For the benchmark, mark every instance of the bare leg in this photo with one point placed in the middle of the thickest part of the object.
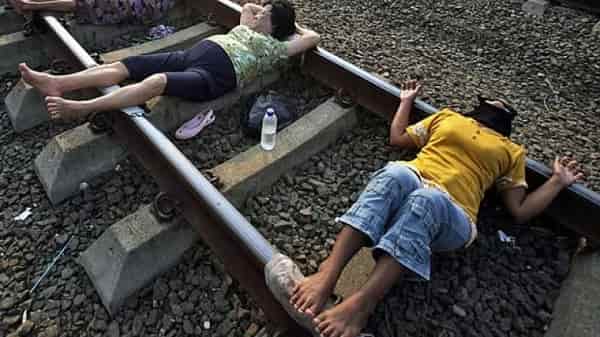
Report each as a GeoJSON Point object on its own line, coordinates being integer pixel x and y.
{"type": "Point", "coordinates": [56, 85]}
{"type": "Point", "coordinates": [44, 5]}
{"type": "Point", "coordinates": [348, 318]}
{"type": "Point", "coordinates": [128, 96]}
{"type": "Point", "coordinates": [310, 295]}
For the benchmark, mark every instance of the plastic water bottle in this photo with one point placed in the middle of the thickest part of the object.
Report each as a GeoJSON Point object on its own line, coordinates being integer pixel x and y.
{"type": "Point", "coordinates": [269, 130]}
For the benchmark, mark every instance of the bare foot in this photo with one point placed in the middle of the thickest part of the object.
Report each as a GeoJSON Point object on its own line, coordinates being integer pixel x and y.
{"type": "Point", "coordinates": [45, 83]}
{"type": "Point", "coordinates": [60, 108]}
{"type": "Point", "coordinates": [312, 293]}
{"type": "Point", "coordinates": [346, 319]}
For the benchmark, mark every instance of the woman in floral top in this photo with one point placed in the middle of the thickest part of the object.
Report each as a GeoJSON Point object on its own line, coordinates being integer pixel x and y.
{"type": "Point", "coordinates": [211, 68]}
{"type": "Point", "coordinates": [101, 11]}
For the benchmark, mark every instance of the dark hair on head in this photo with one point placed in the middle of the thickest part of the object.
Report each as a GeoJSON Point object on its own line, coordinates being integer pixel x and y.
{"type": "Point", "coordinates": [493, 117]}
{"type": "Point", "coordinates": [283, 18]}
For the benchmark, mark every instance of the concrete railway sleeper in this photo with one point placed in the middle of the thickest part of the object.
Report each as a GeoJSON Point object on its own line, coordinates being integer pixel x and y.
{"type": "Point", "coordinates": [243, 249]}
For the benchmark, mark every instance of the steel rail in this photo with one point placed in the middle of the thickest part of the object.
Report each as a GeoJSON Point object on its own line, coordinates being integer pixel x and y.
{"type": "Point", "coordinates": [577, 208]}
{"type": "Point", "coordinates": [223, 228]}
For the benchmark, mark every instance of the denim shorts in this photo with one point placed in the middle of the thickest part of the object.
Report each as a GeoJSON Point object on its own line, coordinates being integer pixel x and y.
{"type": "Point", "coordinates": [407, 220]}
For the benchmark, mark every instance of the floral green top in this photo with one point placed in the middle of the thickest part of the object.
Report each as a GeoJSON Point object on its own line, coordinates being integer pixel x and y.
{"type": "Point", "coordinates": [251, 53]}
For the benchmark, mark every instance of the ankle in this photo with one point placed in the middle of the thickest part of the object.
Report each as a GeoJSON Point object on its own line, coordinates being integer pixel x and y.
{"type": "Point", "coordinates": [365, 300]}
{"type": "Point", "coordinates": [327, 269]}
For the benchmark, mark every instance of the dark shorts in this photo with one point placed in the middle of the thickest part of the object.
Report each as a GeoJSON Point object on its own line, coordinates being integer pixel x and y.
{"type": "Point", "coordinates": [201, 73]}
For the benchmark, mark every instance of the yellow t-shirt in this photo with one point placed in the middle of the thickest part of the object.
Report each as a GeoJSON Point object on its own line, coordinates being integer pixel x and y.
{"type": "Point", "coordinates": [464, 158]}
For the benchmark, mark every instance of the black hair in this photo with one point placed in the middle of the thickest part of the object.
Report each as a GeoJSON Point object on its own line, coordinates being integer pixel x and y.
{"type": "Point", "coordinates": [283, 18]}
{"type": "Point", "coordinates": [493, 117]}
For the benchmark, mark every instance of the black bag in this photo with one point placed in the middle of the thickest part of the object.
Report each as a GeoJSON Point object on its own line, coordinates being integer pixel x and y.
{"type": "Point", "coordinates": [255, 108]}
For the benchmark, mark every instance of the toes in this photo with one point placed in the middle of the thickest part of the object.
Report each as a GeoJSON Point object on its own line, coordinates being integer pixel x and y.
{"type": "Point", "coordinates": [336, 333]}
{"type": "Point", "coordinates": [328, 331]}
{"type": "Point", "coordinates": [307, 304]}
{"type": "Point", "coordinates": [310, 312]}
{"type": "Point", "coordinates": [295, 297]}
{"type": "Point", "coordinates": [322, 325]}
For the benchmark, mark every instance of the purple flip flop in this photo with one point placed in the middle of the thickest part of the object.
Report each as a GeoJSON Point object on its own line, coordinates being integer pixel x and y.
{"type": "Point", "coordinates": [193, 127]}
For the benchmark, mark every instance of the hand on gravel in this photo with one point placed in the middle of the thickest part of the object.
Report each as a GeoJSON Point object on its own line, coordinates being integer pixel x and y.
{"type": "Point", "coordinates": [410, 90]}
{"type": "Point", "coordinates": [566, 171]}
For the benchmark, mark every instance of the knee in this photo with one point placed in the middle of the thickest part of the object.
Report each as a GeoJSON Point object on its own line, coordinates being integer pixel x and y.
{"type": "Point", "coordinates": [399, 173]}
{"type": "Point", "coordinates": [426, 196]}
{"type": "Point", "coordinates": [156, 84]}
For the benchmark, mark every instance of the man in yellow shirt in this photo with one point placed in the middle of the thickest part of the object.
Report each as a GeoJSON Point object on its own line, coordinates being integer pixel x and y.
{"type": "Point", "coordinates": [410, 209]}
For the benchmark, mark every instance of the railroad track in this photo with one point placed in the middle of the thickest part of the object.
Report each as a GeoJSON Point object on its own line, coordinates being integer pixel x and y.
{"type": "Point", "coordinates": [243, 250]}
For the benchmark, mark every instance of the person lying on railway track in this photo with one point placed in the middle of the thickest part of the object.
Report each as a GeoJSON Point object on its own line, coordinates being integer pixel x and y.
{"type": "Point", "coordinates": [210, 69]}
{"type": "Point", "coordinates": [101, 12]}
{"type": "Point", "coordinates": [409, 209]}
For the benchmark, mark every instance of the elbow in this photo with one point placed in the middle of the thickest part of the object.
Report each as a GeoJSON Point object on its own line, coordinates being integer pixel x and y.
{"type": "Point", "coordinates": [396, 141]}
{"type": "Point", "coordinates": [314, 39]}
{"type": "Point", "coordinates": [317, 38]}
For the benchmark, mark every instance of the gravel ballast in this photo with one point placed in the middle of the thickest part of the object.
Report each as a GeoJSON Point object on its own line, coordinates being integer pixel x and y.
{"type": "Point", "coordinates": [194, 298]}
{"type": "Point", "coordinates": [548, 67]}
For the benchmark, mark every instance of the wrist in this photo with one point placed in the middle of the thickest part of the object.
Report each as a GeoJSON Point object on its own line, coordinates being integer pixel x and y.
{"type": "Point", "coordinates": [557, 181]}
{"type": "Point", "coordinates": [407, 102]}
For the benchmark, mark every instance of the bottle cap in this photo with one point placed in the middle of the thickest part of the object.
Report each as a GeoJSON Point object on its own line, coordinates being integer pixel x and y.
{"type": "Point", "coordinates": [270, 111]}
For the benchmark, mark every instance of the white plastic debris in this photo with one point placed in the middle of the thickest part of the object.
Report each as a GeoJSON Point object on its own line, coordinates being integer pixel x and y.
{"type": "Point", "coordinates": [24, 215]}
{"type": "Point", "coordinates": [506, 238]}
{"type": "Point", "coordinates": [281, 275]}
{"type": "Point", "coordinates": [206, 325]}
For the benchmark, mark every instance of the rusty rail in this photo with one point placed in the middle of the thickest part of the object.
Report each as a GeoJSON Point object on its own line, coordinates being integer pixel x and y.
{"type": "Point", "coordinates": [577, 208]}
{"type": "Point", "coordinates": [222, 227]}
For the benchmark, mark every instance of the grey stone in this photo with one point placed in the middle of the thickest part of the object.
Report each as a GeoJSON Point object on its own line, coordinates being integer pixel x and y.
{"type": "Point", "coordinates": [24, 329]}
{"type": "Point", "coordinates": [536, 7]}
{"type": "Point", "coordinates": [113, 329]}
{"type": "Point", "coordinates": [596, 29]}
{"type": "Point", "coordinates": [7, 303]}
{"type": "Point", "coordinates": [11, 320]}
{"type": "Point", "coordinates": [50, 331]}
{"type": "Point", "coordinates": [459, 311]}
{"type": "Point", "coordinates": [79, 299]}
{"type": "Point", "coordinates": [188, 327]}
{"type": "Point", "coordinates": [138, 248]}
{"type": "Point", "coordinates": [66, 273]}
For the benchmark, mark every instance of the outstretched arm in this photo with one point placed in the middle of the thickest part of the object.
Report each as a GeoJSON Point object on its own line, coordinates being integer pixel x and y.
{"type": "Point", "coordinates": [398, 135]}
{"type": "Point", "coordinates": [525, 206]}
{"type": "Point", "coordinates": [306, 40]}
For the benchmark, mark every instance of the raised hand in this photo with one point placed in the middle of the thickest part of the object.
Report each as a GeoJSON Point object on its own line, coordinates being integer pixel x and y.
{"type": "Point", "coordinates": [410, 90]}
{"type": "Point", "coordinates": [566, 171]}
